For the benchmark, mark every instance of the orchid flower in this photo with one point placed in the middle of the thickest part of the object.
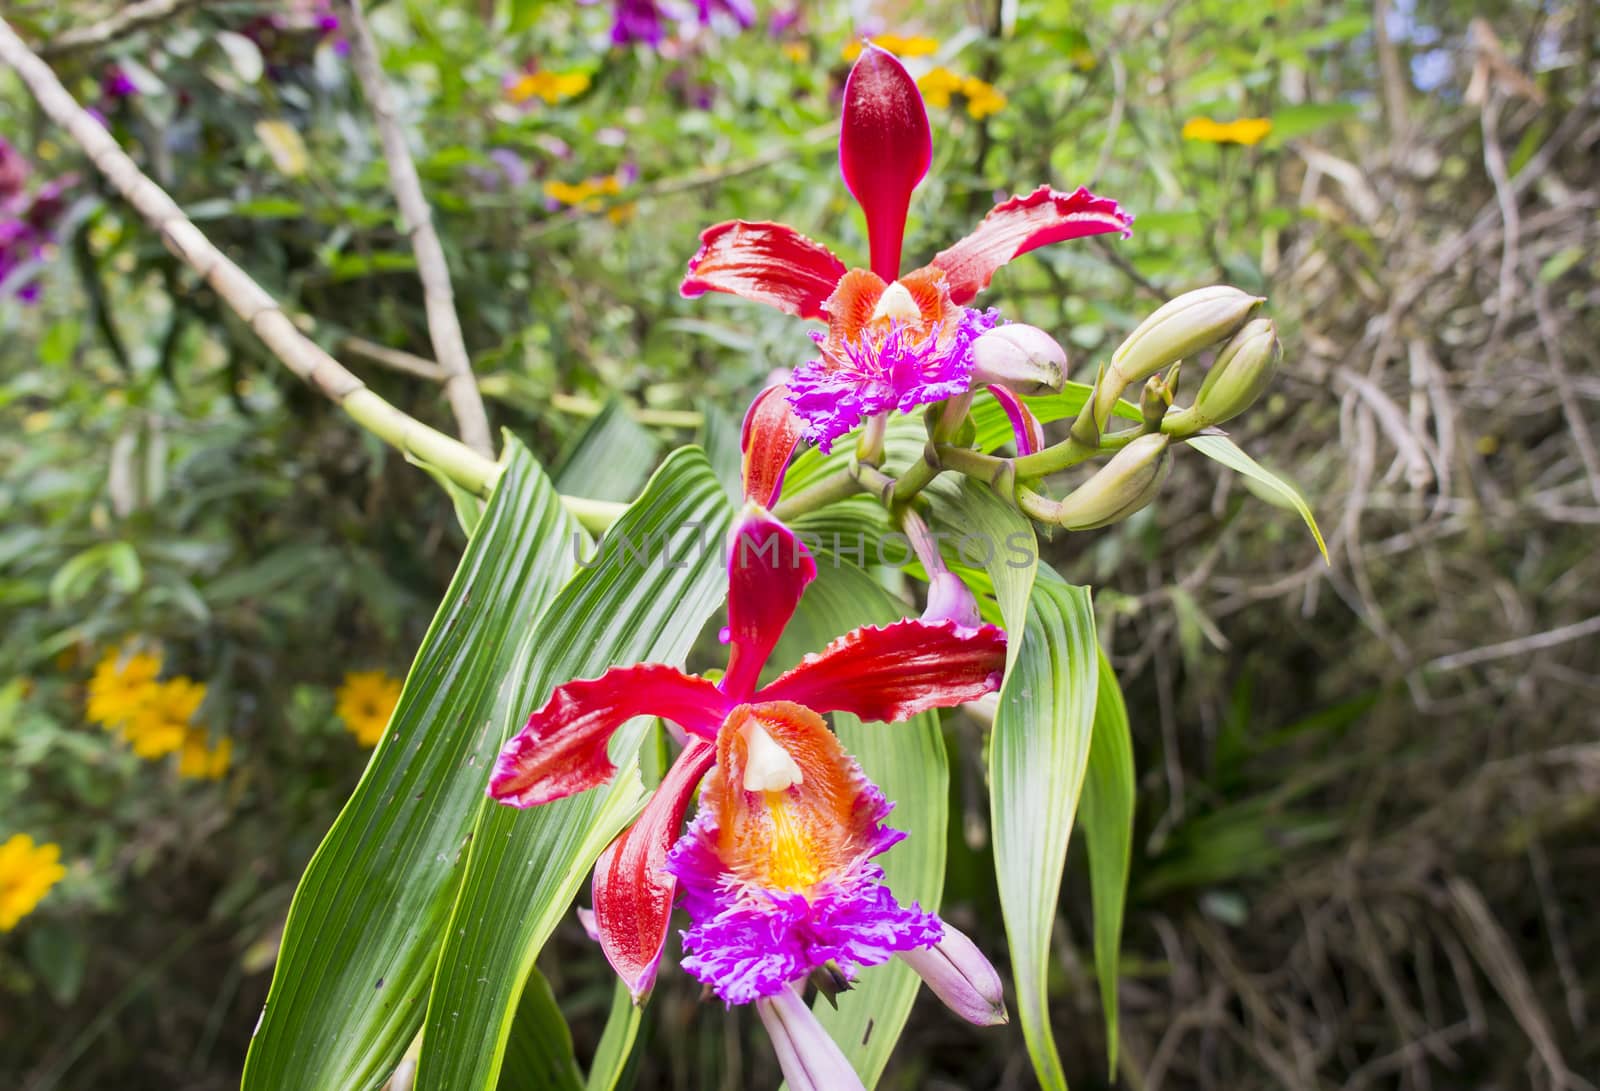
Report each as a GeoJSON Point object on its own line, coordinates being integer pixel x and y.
{"type": "Point", "coordinates": [894, 340]}
{"type": "Point", "coordinates": [776, 869]}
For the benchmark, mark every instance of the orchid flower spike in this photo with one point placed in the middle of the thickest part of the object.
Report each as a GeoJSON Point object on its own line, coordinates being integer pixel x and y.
{"type": "Point", "coordinates": [893, 340]}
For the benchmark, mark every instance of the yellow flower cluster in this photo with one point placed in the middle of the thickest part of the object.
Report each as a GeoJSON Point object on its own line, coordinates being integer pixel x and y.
{"type": "Point", "coordinates": [919, 45]}
{"type": "Point", "coordinates": [550, 86]}
{"type": "Point", "coordinates": [27, 872]}
{"type": "Point", "coordinates": [152, 716]}
{"type": "Point", "coordinates": [365, 702]}
{"type": "Point", "coordinates": [1246, 130]}
{"type": "Point", "coordinates": [940, 85]}
{"type": "Point", "coordinates": [587, 194]}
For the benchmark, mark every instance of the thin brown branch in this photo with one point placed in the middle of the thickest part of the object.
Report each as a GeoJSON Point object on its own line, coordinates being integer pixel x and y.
{"type": "Point", "coordinates": [234, 286]}
{"type": "Point", "coordinates": [124, 21]}
{"type": "Point", "coordinates": [444, 325]}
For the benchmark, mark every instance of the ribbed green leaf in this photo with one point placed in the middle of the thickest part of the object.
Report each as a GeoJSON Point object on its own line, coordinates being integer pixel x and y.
{"type": "Point", "coordinates": [1276, 489]}
{"type": "Point", "coordinates": [610, 459]}
{"type": "Point", "coordinates": [611, 1056]}
{"type": "Point", "coordinates": [1107, 815]}
{"type": "Point", "coordinates": [909, 763]}
{"type": "Point", "coordinates": [539, 1054]}
{"type": "Point", "coordinates": [720, 437]}
{"type": "Point", "coordinates": [363, 932]}
{"type": "Point", "coordinates": [966, 510]}
{"type": "Point", "coordinates": [525, 866]}
{"type": "Point", "coordinates": [1038, 756]}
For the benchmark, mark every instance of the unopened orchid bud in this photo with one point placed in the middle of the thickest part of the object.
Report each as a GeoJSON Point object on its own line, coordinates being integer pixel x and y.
{"type": "Point", "coordinates": [1023, 359]}
{"type": "Point", "coordinates": [949, 599]}
{"type": "Point", "coordinates": [811, 1061]}
{"type": "Point", "coordinates": [1244, 369]}
{"type": "Point", "coordinates": [960, 975]}
{"type": "Point", "coordinates": [1181, 328]}
{"type": "Point", "coordinates": [1119, 488]}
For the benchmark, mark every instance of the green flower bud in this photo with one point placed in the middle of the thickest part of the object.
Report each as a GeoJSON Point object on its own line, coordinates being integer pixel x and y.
{"type": "Point", "coordinates": [1243, 370]}
{"type": "Point", "coordinates": [1119, 488]}
{"type": "Point", "coordinates": [1181, 328]}
{"type": "Point", "coordinates": [1023, 359]}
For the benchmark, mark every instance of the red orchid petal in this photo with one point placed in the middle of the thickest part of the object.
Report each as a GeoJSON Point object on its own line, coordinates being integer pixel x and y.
{"type": "Point", "coordinates": [632, 890]}
{"type": "Point", "coordinates": [885, 147]}
{"type": "Point", "coordinates": [768, 570]}
{"type": "Point", "coordinates": [1021, 224]}
{"type": "Point", "coordinates": [562, 751]}
{"type": "Point", "coordinates": [897, 671]}
{"type": "Point", "coordinates": [771, 433]}
{"type": "Point", "coordinates": [765, 262]}
{"type": "Point", "coordinates": [1024, 425]}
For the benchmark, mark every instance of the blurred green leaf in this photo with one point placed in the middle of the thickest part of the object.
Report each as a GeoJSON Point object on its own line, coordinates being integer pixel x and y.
{"type": "Point", "coordinates": [611, 457]}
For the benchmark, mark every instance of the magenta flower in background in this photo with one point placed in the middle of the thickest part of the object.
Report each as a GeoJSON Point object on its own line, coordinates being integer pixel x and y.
{"type": "Point", "coordinates": [116, 85]}
{"type": "Point", "coordinates": [892, 341]}
{"type": "Point", "coordinates": [646, 21]}
{"type": "Point", "coordinates": [28, 223]}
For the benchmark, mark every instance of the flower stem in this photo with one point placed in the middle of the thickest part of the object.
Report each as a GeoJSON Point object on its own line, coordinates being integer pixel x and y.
{"type": "Point", "coordinates": [819, 494]}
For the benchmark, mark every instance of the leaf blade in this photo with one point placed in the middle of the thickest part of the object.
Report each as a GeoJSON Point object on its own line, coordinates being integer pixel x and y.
{"type": "Point", "coordinates": [1038, 758]}
{"type": "Point", "coordinates": [361, 937]}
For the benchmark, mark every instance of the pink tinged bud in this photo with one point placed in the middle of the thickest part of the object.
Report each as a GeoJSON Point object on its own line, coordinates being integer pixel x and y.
{"type": "Point", "coordinates": [1121, 487]}
{"type": "Point", "coordinates": [960, 975]}
{"type": "Point", "coordinates": [811, 1061]}
{"type": "Point", "coordinates": [1180, 328]}
{"type": "Point", "coordinates": [1023, 359]}
{"type": "Point", "coordinates": [949, 600]}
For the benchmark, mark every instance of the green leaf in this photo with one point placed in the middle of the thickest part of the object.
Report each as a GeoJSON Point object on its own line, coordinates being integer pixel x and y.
{"type": "Point", "coordinates": [1107, 814]}
{"type": "Point", "coordinates": [1012, 559]}
{"type": "Point", "coordinates": [1277, 490]}
{"type": "Point", "coordinates": [1038, 756]}
{"type": "Point", "coordinates": [720, 437]}
{"type": "Point", "coordinates": [906, 760]}
{"type": "Point", "coordinates": [610, 459]}
{"type": "Point", "coordinates": [525, 866]}
{"type": "Point", "coordinates": [539, 1053]}
{"type": "Point", "coordinates": [363, 932]}
{"type": "Point", "coordinates": [611, 1057]}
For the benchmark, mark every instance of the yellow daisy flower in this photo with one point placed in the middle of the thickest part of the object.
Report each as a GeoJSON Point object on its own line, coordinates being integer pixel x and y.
{"type": "Point", "coordinates": [918, 45]}
{"type": "Point", "coordinates": [365, 702]}
{"type": "Point", "coordinates": [160, 725]}
{"type": "Point", "coordinates": [982, 98]}
{"type": "Point", "coordinates": [1245, 130]}
{"type": "Point", "coordinates": [27, 872]}
{"type": "Point", "coordinates": [552, 87]}
{"type": "Point", "coordinates": [938, 85]}
{"type": "Point", "coordinates": [199, 760]}
{"type": "Point", "coordinates": [121, 684]}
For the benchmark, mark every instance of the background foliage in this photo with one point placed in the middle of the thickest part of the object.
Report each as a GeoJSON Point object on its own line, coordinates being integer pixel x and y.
{"type": "Point", "coordinates": [1366, 807]}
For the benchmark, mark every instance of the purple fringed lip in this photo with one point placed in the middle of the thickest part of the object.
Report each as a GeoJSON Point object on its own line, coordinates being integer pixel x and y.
{"type": "Point", "coordinates": [879, 372]}
{"type": "Point", "coordinates": [778, 882]}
